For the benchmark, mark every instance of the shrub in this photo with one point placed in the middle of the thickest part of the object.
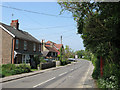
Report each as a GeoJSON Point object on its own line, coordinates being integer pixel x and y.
{"type": "Point", "coordinates": [110, 82]}
{"type": "Point", "coordinates": [24, 68]}
{"type": "Point", "coordinates": [96, 71]}
{"type": "Point", "coordinates": [63, 62]}
{"type": "Point", "coordinates": [111, 76]}
{"type": "Point", "coordinates": [11, 69]}
{"type": "Point", "coordinates": [8, 66]}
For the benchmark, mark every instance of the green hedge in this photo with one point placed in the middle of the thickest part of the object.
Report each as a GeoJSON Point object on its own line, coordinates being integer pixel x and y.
{"type": "Point", "coordinates": [11, 69]}
{"type": "Point", "coordinates": [111, 77]}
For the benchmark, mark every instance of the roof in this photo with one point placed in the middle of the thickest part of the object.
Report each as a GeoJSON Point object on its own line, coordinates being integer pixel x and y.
{"type": "Point", "coordinates": [51, 49]}
{"type": "Point", "coordinates": [58, 45]}
{"type": "Point", "coordinates": [50, 42]}
{"type": "Point", "coordinates": [19, 33]}
{"type": "Point", "coordinates": [30, 53]}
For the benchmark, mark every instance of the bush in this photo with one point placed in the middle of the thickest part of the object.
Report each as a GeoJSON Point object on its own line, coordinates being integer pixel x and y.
{"type": "Point", "coordinates": [11, 69]}
{"type": "Point", "coordinates": [111, 77]}
{"type": "Point", "coordinates": [96, 71]}
{"type": "Point", "coordinates": [110, 82]}
{"type": "Point", "coordinates": [8, 66]}
{"type": "Point", "coordinates": [64, 62]}
{"type": "Point", "coordinates": [24, 68]}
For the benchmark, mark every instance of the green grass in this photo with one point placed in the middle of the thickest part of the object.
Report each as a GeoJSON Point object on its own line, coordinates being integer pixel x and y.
{"type": "Point", "coordinates": [34, 70]}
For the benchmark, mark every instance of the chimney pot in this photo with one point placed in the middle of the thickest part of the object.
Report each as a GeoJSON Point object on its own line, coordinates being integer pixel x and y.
{"type": "Point", "coordinates": [15, 24]}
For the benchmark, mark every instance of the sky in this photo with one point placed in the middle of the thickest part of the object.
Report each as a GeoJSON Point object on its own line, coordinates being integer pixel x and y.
{"type": "Point", "coordinates": [46, 23]}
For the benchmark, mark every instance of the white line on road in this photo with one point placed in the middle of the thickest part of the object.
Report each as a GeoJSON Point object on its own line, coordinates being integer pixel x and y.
{"type": "Point", "coordinates": [62, 73]}
{"type": "Point", "coordinates": [44, 82]}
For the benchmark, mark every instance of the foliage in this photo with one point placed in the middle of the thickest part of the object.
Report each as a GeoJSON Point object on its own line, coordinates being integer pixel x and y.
{"type": "Point", "coordinates": [37, 60]}
{"type": "Point", "coordinates": [99, 24]}
{"type": "Point", "coordinates": [111, 76]}
{"type": "Point", "coordinates": [96, 71]}
{"type": "Point", "coordinates": [65, 62]}
{"type": "Point", "coordinates": [80, 53]}
{"type": "Point", "coordinates": [42, 60]}
{"type": "Point", "coordinates": [11, 69]}
{"type": "Point", "coordinates": [61, 54]}
{"type": "Point", "coordinates": [110, 82]}
{"type": "Point", "coordinates": [69, 53]}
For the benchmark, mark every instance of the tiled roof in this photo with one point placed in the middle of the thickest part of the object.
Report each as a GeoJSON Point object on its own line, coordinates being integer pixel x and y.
{"type": "Point", "coordinates": [20, 34]}
{"type": "Point", "coordinates": [58, 45]}
{"type": "Point", "coordinates": [51, 49]}
{"type": "Point", "coordinates": [55, 47]}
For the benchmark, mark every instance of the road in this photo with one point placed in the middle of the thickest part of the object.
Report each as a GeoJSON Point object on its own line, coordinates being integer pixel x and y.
{"type": "Point", "coordinates": [76, 75]}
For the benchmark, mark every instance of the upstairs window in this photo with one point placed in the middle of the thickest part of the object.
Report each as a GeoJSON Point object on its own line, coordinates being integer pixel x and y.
{"type": "Point", "coordinates": [17, 44]}
{"type": "Point", "coordinates": [25, 45]}
{"type": "Point", "coordinates": [34, 47]}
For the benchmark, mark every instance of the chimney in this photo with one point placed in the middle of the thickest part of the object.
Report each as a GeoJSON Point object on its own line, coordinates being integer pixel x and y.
{"type": "Point", "coordinates": [42, 46]}
{"type": "Point", "coordinates": [15, 24]}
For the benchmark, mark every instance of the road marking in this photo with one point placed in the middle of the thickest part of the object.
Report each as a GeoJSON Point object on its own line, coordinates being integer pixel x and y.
{"type": "Point", "coordinates": [62, 73]}
{"type": "Point", "coordinates": [71, 69]}
{"type": "Point", "coordinates": [44, 82]}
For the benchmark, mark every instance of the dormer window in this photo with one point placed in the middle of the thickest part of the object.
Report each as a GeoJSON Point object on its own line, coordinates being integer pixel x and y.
{"type": "Point", "coordinates": [25, 45]}
{"type": "Point", "coordinates": [17, 44]}
{"type": "Point", "coordinates": [34, 47]}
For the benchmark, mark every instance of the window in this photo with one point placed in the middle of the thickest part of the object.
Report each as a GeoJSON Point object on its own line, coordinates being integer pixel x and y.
{"type": "Point", "coordinates": [39, 47]}
{"type": "Point", "coordinates": [16, 44]}
{"type": "Point", "coordinates": [25, 58]}
{"type": "Point", "coordinates": [34, 47]}
{"type": "Point", "coordinates": [25, 45]}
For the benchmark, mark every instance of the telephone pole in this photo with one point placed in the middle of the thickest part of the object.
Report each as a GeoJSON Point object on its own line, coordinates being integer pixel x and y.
{"type": "Point", "coordinates": [61, 39]}
{"type": "Point", "coordinates": [61, 49]}
{"type": "Point", "coordinates": [12, 16]}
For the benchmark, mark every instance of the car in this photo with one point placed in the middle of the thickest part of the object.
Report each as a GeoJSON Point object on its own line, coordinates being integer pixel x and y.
{"type": "Point", "coordinates": [71, 59]}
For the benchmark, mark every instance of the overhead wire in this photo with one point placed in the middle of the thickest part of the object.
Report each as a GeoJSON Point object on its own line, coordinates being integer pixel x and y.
{"type": "Point", "coordinates": [35, 12]}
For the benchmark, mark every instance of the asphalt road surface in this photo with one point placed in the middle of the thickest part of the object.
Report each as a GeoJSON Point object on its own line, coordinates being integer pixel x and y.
{"type": "Point", "coordinates": [76, 75]}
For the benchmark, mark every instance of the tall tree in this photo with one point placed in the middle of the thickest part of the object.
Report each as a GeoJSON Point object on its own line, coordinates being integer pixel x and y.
{"type": "Point", "coordinates": [99, 25]}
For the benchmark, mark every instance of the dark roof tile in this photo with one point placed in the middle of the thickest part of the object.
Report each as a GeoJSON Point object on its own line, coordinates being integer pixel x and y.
{"type": "Point", "coordinates": [20, 34]}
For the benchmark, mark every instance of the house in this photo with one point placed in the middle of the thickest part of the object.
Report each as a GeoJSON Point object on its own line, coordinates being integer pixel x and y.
{"type": "Point", "coordinates": [18, 46]}
{"type": "Point", "coordinates": [56, 46]}
{"type": "Point", "coordinates": [51, 49]}
{"type": "Point", "coordinates": [48, 51]}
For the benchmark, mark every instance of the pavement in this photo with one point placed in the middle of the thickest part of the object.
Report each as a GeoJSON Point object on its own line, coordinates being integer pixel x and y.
{"type": "Point", "coordinates": [75, 75]}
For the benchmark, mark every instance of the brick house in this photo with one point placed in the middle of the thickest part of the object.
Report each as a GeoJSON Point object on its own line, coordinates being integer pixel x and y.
{"type": "Point", "coordinates": [48, 51]}
{"type": "Point", "coordinates": [56, 46]}
{"type": "Point", "coordinates": [51, 49]}
{"type": "Point", "coordinates": [18, 46]}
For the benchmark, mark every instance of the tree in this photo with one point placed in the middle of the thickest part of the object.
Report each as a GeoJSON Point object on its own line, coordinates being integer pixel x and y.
{"type": "Point", "coordinates": [69, 53]}
{"type": "Point", "coordinates": [99, 25]}
{"type": "Point", "coordinates": [80, 53]}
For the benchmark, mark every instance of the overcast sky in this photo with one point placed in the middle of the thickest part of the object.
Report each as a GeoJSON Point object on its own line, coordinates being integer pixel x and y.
{"type": "Point", "coordinates": [45, 23]}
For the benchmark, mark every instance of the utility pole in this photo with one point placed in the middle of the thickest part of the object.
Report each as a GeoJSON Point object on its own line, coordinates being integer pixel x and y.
{"type": "Point", "coordinates": [12, 16]}
{"type": "Point", "coordinates": [61, 48]}
{"type": "Point", "coordinates": [61, 39]}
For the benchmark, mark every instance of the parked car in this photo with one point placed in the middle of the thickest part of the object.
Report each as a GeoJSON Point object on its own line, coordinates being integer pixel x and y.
{"type": "Point", "coordinates": [71, 59]}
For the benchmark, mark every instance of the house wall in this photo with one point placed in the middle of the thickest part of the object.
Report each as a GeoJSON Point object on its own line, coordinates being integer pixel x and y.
{"type": "Point", "coordinates": [29, 46]}
{"type": "Point", "coordinates": [6, 47]}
